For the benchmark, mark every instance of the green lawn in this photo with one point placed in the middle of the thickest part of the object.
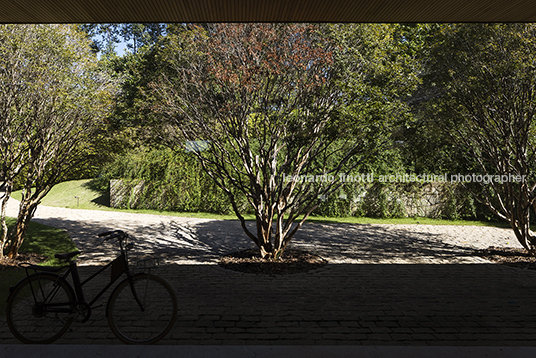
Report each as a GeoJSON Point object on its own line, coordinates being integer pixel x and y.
{"type": "Point", "coordinates": [41, 239]}
{"type": "Point", "coordinates": [80, 194]}
{"type": "Point", "coordinates": [45, 240]}
{"type": "Point", "coordinates": [401, 221]}
{"type": "Point", "coordinates": [76, 194]}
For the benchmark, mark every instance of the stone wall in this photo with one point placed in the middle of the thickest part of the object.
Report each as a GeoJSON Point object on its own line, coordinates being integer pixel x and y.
{"type": "Point", "coordinates": [126, 194]}
{"type": "Point", "coordinates": [432, 200]}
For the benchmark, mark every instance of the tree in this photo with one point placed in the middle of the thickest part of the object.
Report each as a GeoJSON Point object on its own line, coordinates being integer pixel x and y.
{"type": "Point", "coordinates": [106, 36]}
{"type": "Point", "coordinates": [382, 66]}
{"type": "Point", "coordinates": [264, 110]}
{"type": "Point", "coordinates": [481, 82]}
{"type": "Point", "coordinates": [53, 101]}
{"type": "Point", "coordinates": [12, 126]}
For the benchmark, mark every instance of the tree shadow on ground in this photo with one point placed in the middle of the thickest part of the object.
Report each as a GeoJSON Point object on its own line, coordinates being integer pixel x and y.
{"type": "Point", "coordinates": [104, 195]}
{"type": "Point", "coordinates": [338, 243]}
{"type": "Point", "coordinates": [376, 243]}
{"type": "Point", "coordinates": [204, 241]}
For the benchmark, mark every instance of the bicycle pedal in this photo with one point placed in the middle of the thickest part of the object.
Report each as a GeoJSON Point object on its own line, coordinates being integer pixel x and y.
{"type": "Point", "coordinates": [82, 313]}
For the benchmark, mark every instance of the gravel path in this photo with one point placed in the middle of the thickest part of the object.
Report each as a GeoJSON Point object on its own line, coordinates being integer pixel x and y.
{"type": "Point", "coordinates": [202, 241]}
{"type": "Point", "coordinates": [414, 284]}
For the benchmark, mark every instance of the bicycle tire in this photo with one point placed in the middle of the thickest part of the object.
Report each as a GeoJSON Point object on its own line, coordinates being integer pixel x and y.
{"type": "Point", "coordinates": [29, 319]}
{"type": "Point", "coordinates": [126, 319]}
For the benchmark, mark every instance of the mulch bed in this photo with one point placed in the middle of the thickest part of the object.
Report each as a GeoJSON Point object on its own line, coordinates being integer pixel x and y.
{"type": "Point", "coordinates": [296, 261]}
{"type": "Point", "coordinates": [32, 258]}
{"type": "Point", "coordinates": [519, 258]}
{"type": "Point", "coordinates": [293, 261]}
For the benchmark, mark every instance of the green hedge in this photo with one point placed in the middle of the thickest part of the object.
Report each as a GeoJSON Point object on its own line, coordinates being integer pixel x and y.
{"type": "Point", "coordinates": [172, 181]}
{"type": "Point", "coordinates": [161, 179]}
{"type": "Point", "coordinates": [396, 200]}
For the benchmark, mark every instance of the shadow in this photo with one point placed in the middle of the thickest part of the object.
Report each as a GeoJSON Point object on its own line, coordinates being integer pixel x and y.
{"type": "Point", "coordinates": [341, 304]}
{"type": "Point", "coordinates": [382, 286]}
{"type": "Point", "coordinates": [362, 243]}
{"type": "Point", "coordinates": [403, 304]}
{"type": "Point", "coordinates": [190, 240]}
{"type": "Point", "coordinates": [338, 243]}
{"type": "Point", "coordinates": [103, 199]}
{"type": "Point", "coordinates": [170, 240]}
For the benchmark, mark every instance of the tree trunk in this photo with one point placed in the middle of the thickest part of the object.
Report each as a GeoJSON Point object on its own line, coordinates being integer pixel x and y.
{"type": "Point", "coordinates": [521, 227]}
{"type": "Point", "coordinates": [266, 250]}
{"type": "Point", "coordinates": [3, 238]}
{"type": "Point", "coordinates": [26, 213]}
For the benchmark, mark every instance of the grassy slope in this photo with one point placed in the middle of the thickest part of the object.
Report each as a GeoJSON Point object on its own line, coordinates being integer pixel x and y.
{"type": "Point", "coordinates": [41, 239]}
{"type": "Point", "coordinates": [76, 194]}
{"type": "Point", "coordinates": [79, 194]}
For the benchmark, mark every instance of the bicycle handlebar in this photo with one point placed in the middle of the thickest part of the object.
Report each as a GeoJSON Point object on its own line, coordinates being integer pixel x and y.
{"type": "Point", "coordinates": [112, 234]}
{"type": "Point", "coordinates": [121, 236]}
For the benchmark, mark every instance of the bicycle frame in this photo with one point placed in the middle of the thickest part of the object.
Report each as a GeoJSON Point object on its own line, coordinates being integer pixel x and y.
{"type": "Point", "coordinates": [118, 266]}
{"type": "Point", "coordinates": [58, 301]}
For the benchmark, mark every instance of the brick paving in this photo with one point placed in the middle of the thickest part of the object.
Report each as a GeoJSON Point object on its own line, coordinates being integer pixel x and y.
{"type": "Point", "coordinates": [409, 289]}
{"type": "Point", "coordinates": [342, 304]}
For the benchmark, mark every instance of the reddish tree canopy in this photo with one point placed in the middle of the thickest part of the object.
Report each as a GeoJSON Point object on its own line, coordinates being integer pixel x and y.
{"type": "Point", "coordinates": [265, 99]}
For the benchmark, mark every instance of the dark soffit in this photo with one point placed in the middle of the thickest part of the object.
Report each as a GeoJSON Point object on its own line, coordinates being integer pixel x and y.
{"type": "Point", "coordinates": [95, 11]}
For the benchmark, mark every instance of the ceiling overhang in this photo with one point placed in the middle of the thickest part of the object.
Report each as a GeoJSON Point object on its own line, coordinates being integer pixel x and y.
{"type": "Point", "coordinates": [99, 11]}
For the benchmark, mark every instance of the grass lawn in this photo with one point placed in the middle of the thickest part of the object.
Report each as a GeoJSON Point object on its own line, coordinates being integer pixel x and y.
{"type": "Point", "coordinates": [401, 221]}
{"type": "Point", "coordinates": [41, 239]}
{"type": "Point", "coordinates": [79, 194]}
{"type": "Point", "coordinates": [75, 194]}
{"type": "Point", "coordinates": [45, 240]}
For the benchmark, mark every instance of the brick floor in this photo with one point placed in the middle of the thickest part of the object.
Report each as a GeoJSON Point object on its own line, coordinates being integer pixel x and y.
{"type": "Point", "coordinates": [367, 304]}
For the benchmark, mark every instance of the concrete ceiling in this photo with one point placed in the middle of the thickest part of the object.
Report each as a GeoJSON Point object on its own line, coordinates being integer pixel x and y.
{"type": "Point", "coordinates": [96, 11]}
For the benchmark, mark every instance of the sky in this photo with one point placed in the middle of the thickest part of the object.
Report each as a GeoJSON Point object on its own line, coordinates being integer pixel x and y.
{"type": "Point", "coordinates": [121, 48]}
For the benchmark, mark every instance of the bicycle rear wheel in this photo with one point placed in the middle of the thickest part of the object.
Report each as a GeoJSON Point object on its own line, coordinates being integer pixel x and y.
{"type": "Point", "coordinates": [149, 323]}
{"type": "Point", "coordinates": [39, 309]}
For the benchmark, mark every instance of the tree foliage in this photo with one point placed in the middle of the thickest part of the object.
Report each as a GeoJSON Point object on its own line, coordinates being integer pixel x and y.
{"type": "Point", "coordinates": [167, 180]}
{"type": "Point", "coordinates": [258, 103]}
{"type": "Point", "coordinates": [481, 83]}
{"type": "Point", "coordinates": [53, 99]}
{"type": "Point", "coordinates": [106, 36]}
{"type": "Point", "coordinates": [269, 104]}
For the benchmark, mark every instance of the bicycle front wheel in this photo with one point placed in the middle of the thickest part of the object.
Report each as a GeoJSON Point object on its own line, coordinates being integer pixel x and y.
{"type": "Point", "coordinates": [148, 318]}
{"type": "Point", "coordinates": [39, 309]}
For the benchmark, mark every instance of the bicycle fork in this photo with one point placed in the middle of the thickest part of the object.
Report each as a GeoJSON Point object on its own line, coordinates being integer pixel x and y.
{"type": "Point", "coordinates": [134, 293]}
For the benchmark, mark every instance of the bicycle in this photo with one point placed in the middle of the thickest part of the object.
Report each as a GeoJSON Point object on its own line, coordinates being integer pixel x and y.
{"type": "Point", "coordinates": [140, 310]}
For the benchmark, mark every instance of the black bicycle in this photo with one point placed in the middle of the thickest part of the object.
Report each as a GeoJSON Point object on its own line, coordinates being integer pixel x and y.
{"type": "Point", "coordinates": [141, 309]}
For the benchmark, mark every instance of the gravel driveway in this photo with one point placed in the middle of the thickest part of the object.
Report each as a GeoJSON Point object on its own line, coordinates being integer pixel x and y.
{"type": "Point", "coordinates": [202, 241]}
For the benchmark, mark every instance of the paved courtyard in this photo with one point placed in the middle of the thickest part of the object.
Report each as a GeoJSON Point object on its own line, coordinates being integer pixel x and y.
{"type": "Point", "coordinates": [384, 285]}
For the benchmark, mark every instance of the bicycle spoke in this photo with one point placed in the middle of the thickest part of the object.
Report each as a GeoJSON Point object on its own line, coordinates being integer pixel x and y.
{"type": "Point", "coordinates": [39, 309]}
{"type": "Point", "coordinates": [132, 324]}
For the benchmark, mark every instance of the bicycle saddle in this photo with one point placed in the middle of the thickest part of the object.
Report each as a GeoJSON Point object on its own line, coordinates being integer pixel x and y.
{"type": "Point", "coordinates": [66, 256]}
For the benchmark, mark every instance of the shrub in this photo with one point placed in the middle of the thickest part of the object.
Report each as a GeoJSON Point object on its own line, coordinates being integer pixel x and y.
{"type": "Point", "coordinates": [161, 179]}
